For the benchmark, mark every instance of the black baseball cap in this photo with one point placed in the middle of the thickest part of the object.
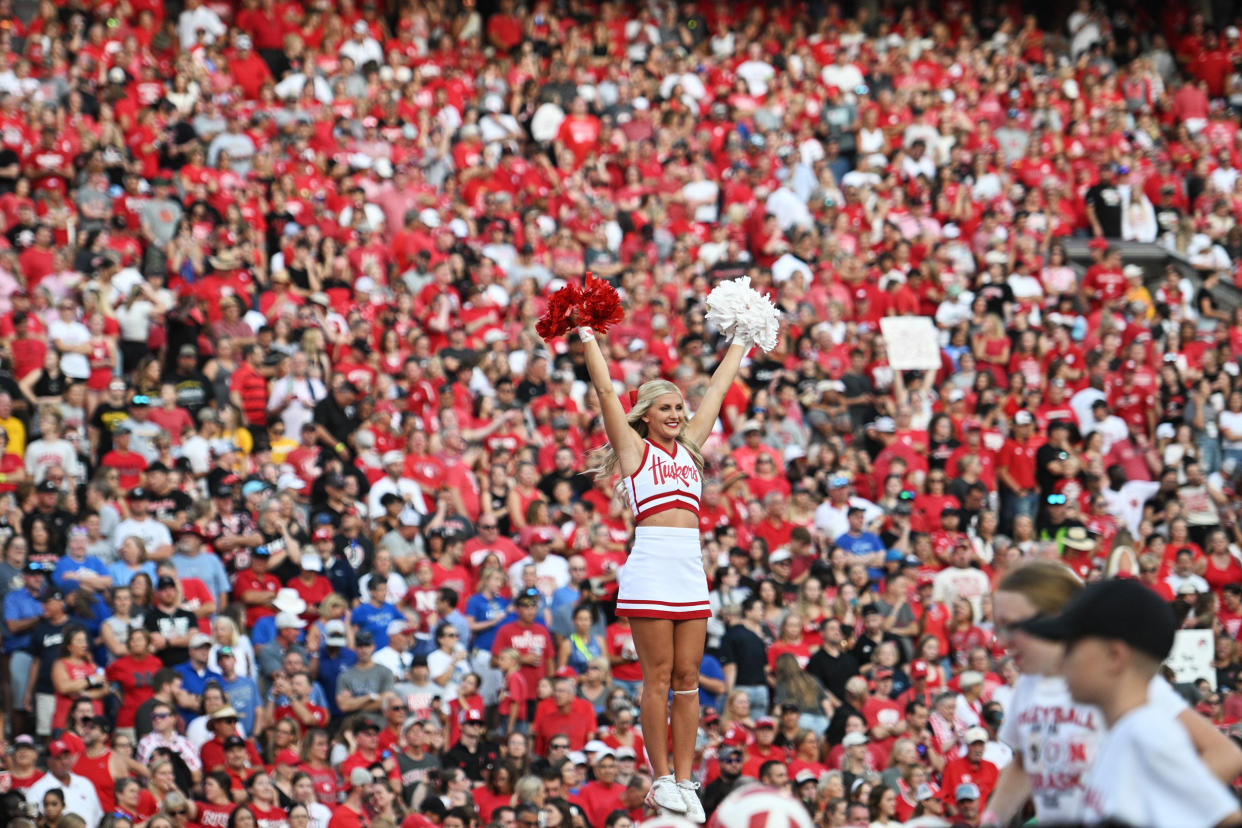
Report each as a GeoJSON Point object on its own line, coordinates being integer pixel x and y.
{"type": "Point", "coordinates": [234, 741]}
{"type": "Point", "coordinates": [1120, 609]}
{"type": "Point", "coordinates": [165, 582]}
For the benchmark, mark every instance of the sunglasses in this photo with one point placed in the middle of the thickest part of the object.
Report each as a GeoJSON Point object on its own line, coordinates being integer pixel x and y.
{"type": "Point", "coordinates": [559, 746]}
{"type": "Point", "coordinates": [178, 813]}
{"type": "Point", "coordinates": [160, 715]}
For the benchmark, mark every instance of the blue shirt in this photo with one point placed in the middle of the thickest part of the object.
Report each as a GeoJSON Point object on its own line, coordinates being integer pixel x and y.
{"type": "Point", "coordinates": [480, 608]}
{"type": "Point", "coordinates": [712, 669]}
{"type": "Point", "coordinates": [865, 544]}
{"type": "Point", "coordinates": [244, 697]}
{"type": "Point", "coordinates": [20, 605]}
{"type": "Point", "coordinates": [195, 682]}
{"type": "Point", "coordinates": [264, 631]}
{"type": "Point", "coordinates": [376, 619]}
{"type": "Point", "coordinates": [330, 667]}
{"type": "Point", "coordinates": [66, 565]}
{"type": "Point", "coordinates": [122, 574]}
{"type": "Point", "coordinates": [208, 569]}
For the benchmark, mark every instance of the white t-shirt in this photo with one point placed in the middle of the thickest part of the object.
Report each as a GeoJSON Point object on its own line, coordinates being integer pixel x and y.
{"type": "Point", "coordinates": [1146, 772]}
{"type": "Point", "coordinates": [1231, 420]}
{"type": "Point", "coordinates": [1057, 740]}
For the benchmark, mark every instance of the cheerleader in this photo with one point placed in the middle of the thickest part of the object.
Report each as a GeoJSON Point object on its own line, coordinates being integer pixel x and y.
{"type": "Point", "coordinates": [663, 587]}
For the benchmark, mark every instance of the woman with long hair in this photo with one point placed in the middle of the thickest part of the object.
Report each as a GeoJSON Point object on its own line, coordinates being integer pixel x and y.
{"type": "Point", "coordinates": [795, 686]}
{"type": "Point", "coordinates": [1042, 742]}
{"type": "Point", "coordinates": [663, 587]}
{"type": "Point", "coordinates": [581, 646]}
{"type": "Point", "coordinates": [75, 675]}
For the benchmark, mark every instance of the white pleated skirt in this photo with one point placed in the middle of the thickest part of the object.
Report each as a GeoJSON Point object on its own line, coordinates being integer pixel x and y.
{"type": "Point", "coordinates": [663, 576]}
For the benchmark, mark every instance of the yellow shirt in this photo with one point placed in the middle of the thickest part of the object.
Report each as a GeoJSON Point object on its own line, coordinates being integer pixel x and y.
{"type": "Point", "coordinates": [281, 449]}
{"type": "Point", "coordinates": [17, 436]}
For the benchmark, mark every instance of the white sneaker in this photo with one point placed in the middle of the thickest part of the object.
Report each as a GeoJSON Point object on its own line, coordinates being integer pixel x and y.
{"type": "Point", "coordinates": [694, 807]}
{"type": "Point", "coordinates": [666, 796]}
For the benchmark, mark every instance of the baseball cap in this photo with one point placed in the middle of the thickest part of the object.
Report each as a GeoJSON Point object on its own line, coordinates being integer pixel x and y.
{"type": "Point", "coordinates": [1023, 418]}
{"type": "Point", "coordinates": [365, 723]}
{"type": "Point", "coordinates": [970, 678]}
{"type": "Point", "coordinates": [323, 533]}
{"type": "Point", "coordinates": [46, 486]}
{"type": "Point", "coordinates": [364, 638]}
{"type": "Point", "coordinates": [918, 669]}
{"type": "Point", "coordinates": [399, 626]}
{"type": "Point", "coordinates": [165, 582]}
{"type": "Point", "coordinates": [288, 757]}
{"type": "Point", "coordinates": [805, 776]}
{"type": "Point", "coordinates": [59, 747]}
{"type": "Point", "coordinates": [359, 777]}
{"type": "Point", "coordinates": [626, 753]}
{"type": "Point", "coordinates": [1120, 609]}
{"type": "Point", "coordinates": [965, 791]}
{"type": "Point", "coordinates": [780, 555]}
{"type": "Point", "coordinates": [312, 562]}
{"type": "Point", "coordinates": [334, 634]}
{"type": "Point", "coordinates": [200, 640]}
{"type": "Point", "coordinates": [391, 457]}
{"type": "Point", "coordinates": [854, 740]}
{"type": "Point", "coordinates": [473, 715]}
{"type": "Point", "coordinates": [765, 721]}
{"type": "Point", "coordinates": [24, 741]}
{"type": "Point", "coordinates": [52, 595]}
{"type": "Point", "coordinates": [976, 734]}
{"type": "Point", "coordinates": [233, 742]}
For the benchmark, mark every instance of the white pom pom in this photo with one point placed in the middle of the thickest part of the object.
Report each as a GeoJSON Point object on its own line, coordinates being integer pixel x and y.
{"type": "Point", "coordinates": [741, 312]}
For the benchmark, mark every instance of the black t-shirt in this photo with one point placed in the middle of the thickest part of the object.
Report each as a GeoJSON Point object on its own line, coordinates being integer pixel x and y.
{"type": "Point", "coordinates": [173, 624]}
{"type": "Point", "coordinates": [166, 506]}
{"type": "Point", "coordinates": [1168, 217]}
{"type": "Point", "coordinates": [106, 418]}
{"type": "Point", "coordinates": [193, 391]}
{"type": "Point", "coordinates": [337, 421]}
{"type": "Point", "coordinates": [1045, 454]}
{"type": "Point", "coordinates": [743, 648]}
{"type": "Point", "coordinates": [45, 641]}
{"type": "Point", "coordinates": [1106, 200]}
{"type": "Point", "coordinates": [527, 390]}
{"type": "Point", "coordinates": [865, 649]}
{"type": "Point", "coordinates": [472, 763]}
{"type": "Point", "coordinates": [996, 295]}
{"type": "Point", "coordinates": [832, 671]}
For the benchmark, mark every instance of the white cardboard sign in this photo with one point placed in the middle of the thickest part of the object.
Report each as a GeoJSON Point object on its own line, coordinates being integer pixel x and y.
{"type": "Point", "coordinates": [912, 341]}
{"type": "Point", "coordinates": [1191, 657]}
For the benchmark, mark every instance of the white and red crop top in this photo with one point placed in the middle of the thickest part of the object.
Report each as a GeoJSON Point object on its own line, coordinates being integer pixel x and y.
{"type": "Point", "coordinates": [664, 481]}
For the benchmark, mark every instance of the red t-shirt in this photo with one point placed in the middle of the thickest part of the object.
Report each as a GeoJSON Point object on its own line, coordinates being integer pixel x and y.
{"type": "Point", "coordinates": [527, 640]}
{"type": "Point", "coordinates": [211, 815]}
{"type": "Point", "coordinates": [577, 724]}
{"type": "Point", "coordinates": [135, 677]}
{"type": "Point", "coordinates": [620, 639]}
{"type": "Point", "coordinates": [248, 580]}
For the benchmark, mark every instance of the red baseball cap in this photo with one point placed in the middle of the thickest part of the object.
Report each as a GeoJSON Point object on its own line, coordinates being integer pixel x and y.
{"type": "Point", "coordinates": [287, 757]}
{"type": "Point", "coordinates": [59, 748]}
{"type": "Point", "coordinates": [736, 736]}
{"type": "Point", "coordinates": [918, 669]}
{"type": "Point", "coordinates": [472, 715]}
{"type": "Point", "coordinates": [926, 580]}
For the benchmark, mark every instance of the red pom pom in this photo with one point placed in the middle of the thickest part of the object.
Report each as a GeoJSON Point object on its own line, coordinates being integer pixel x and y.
{"type": "Point", "coordinates": [601, 307]}
{"type": "Point", "coordinates": [559, 317]}
{"type": "Point", "coordinates": [595, 305]}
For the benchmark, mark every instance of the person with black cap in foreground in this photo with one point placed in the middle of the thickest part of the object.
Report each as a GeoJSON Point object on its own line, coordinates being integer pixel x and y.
{"type": "Point", "coordinates": [1146, 771]}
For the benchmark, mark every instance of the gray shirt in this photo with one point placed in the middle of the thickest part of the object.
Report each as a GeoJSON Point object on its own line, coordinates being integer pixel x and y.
{"type": "Point", "coordinates": [161, 216]}
{"type": "Point", "coordinates": [362, 681]}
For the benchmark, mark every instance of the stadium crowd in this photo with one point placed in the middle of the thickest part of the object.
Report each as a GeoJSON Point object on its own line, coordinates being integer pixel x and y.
{"type": "Point", "coordinates": [294, 531]}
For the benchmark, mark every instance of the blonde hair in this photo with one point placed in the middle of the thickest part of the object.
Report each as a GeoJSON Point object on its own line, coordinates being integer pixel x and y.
{"type": "Point", "coordinates": [603, 460]}
{"type": "Point", "coordinates": [1048, 585]}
